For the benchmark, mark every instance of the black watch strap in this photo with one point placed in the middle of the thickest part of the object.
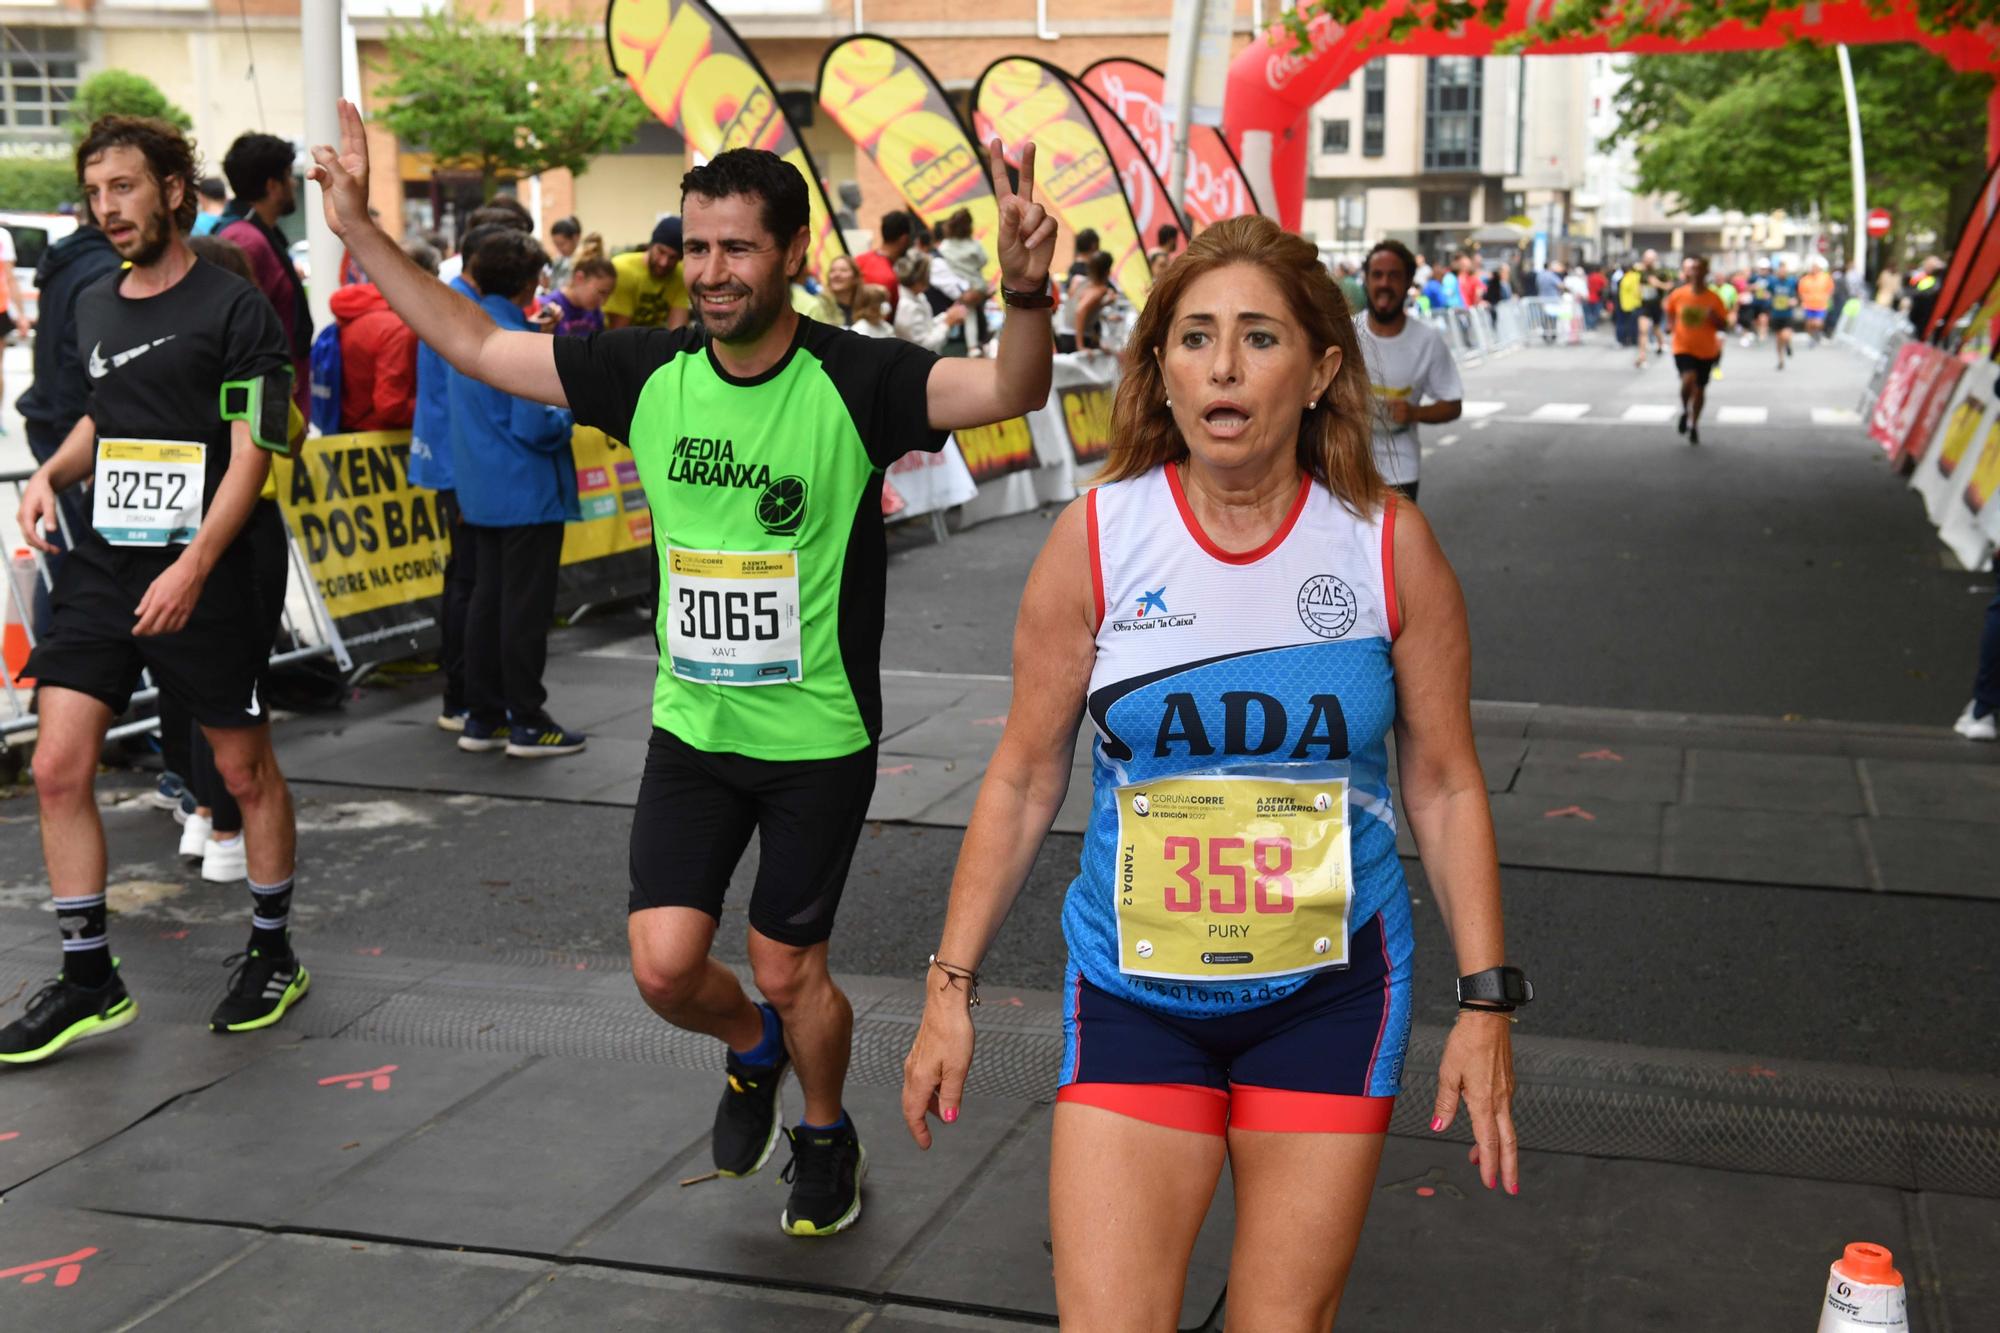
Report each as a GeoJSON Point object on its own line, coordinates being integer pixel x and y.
{"type": "Point", "coordinates": [1495, 987]}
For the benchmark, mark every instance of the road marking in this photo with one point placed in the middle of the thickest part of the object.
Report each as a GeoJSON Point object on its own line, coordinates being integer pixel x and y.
{"type": "Point", "coordinates": [1473, 409]}
{"type": "Point", "coordinates": [1835, 416]}
{"type": "Point", "coordinates": [1650, 412]}
{"type": "Point", "coordinates": [1559, 411]}
{"type": "Point", "coordinates": [1743, 416]}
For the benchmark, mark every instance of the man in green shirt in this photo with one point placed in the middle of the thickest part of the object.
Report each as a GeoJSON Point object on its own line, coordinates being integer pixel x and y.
{"type": "Point", "coordinates": [761, 440]}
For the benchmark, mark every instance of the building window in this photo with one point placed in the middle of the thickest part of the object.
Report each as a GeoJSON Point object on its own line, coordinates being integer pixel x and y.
{"type": "Point", "coordinates": [1513, 204]}
{"type": "Point", "coordinates": [38, 69]}
{"type": "Point", "coordinates": [1444, 206]}
{"type": "Point", "coordinates": [1333, 136]}
{"type": "Point", "coordinates": [1452, 95]}
{"type": "Point", "coordinates": [1350, 217]}
{"type": "Point", "coordinates": [1374, 106]}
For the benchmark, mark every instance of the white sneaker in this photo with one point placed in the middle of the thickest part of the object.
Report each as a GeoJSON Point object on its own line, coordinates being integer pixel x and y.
{"type": "Point", "coordinates": [225, 862]}
{"type": "Point", "coordinates": [195, 837]}
{"type": "Point", "coordinates": [1977, 728]}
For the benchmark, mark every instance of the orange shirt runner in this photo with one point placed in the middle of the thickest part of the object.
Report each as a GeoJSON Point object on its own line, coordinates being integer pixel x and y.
{"type": "Point", "coordinates": [1816, 290]}
{"type": "Point", "coordinates": [1697, 319]}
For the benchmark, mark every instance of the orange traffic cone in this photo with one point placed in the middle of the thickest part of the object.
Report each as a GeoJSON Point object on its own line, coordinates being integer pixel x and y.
{"type": "Point", "coordinates": [14, 643]}
{"type": "Point", "coordinates": [1864, 1293]}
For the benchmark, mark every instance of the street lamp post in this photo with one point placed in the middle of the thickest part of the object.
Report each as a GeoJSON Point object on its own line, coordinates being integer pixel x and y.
{"type": "Point", "coordinates": [1856, 238]}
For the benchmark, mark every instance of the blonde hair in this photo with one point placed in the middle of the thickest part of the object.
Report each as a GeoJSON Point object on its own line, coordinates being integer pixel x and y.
{"type": "Point", "coordinates": [589, 248]}
{"type": "Point", "coordinates": [1335, 435]}
{"type": "Point", "coordinates": [872, 302]}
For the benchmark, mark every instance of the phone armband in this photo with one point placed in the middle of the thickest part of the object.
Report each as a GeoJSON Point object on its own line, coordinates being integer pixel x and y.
{"type": "Point", "coordinates": [265, 403]}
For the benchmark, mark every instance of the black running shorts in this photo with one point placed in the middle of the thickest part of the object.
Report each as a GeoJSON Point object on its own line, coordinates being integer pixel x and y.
{"type": "Point", "coordinates": [1701, 367]}
{"type": "Point", "coordinates": [1655, 311]}
{"type": "Point", "coordinates": [212, 663]}
{"type": "Point", "coordinates": [697, 809]}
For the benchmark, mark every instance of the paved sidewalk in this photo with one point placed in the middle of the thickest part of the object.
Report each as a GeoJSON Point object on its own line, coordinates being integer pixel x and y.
{"type": "Point", "coordinates": [455, 1137]}
{"type": "Point", "coordinates": [1883, 807]}
{"type": "Point", "coordinates": [453, 1140]}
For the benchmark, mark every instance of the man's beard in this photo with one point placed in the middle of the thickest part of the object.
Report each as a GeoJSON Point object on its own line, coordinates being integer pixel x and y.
{"type": "Point", "coordinates": [751, 320]}
{"type": "Point", "coordinates": [155, 235]}
{"type": "Point", "coordinates": [1386, 309]}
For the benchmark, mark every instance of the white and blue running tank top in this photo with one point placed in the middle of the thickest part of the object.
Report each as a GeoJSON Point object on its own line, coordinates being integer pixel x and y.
{"type": "Point", "coordinates": [1187, 633]}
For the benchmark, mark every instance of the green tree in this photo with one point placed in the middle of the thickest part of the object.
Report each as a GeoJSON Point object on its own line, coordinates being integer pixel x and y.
{"type": "Point", "coordinates": [120, 92]}
{"type": "Point", "coordinates": [1764, 130]}
{"type": "Point", "coordinates": [464, 88]}
{"type": "Point", "coordinates": [1623, 19]}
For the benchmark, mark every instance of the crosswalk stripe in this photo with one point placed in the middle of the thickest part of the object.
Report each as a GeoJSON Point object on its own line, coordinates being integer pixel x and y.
{"type": "Point", "coordinates": [1835, 416]}
{"type": "Point", "coordinates": [1650, 412]}
{"type": "Point", "coordinates": [1743, 416]}
{"type": "Point", "coordinates": [1475, 408]}
{"type": "Point", "coordinates": [1559, 411]}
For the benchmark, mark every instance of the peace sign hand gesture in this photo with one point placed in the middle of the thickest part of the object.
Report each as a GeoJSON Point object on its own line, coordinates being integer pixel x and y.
{"type": "Point", "coordinates": [1027, 240]}
{"type": "Point", "coordinates": [343, 177]}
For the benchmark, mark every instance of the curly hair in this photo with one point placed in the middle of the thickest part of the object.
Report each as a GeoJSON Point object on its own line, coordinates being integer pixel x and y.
{"type": "Point", "coordinates": [1335, 445]}
{"type": "Point", "coordinates": [169, 155]}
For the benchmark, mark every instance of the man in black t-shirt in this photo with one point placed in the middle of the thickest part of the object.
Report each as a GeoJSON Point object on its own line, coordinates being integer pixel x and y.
{"type": "Point", "coordinates": [190, 385]}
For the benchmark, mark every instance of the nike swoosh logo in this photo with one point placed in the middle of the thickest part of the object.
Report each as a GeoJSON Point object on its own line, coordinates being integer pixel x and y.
{"type": "Point", "coordinates": [99, 367]}
{"type": "Point", "coordinates": [253, 709]}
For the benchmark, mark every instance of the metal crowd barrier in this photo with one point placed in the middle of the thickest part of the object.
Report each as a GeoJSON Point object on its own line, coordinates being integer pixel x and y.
{"type": "Point", "coordinates": [1480, 333]}
{"type": "Point", "coordinates": [306, 631]}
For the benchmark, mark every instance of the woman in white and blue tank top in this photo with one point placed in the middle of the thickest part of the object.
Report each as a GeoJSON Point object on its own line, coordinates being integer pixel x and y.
{"type": "Point", "coordinates": [1242, 611]}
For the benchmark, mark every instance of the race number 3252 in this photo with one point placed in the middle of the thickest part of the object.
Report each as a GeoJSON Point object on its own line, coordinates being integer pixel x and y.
{"type": "Point", "coordinates": [148, 492]}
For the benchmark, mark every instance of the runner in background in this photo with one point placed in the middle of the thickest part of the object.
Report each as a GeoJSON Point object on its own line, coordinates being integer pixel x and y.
{"type": "Point", "coordinates": [1407, 363]}
{"type": "Point", "coordinates": [1700, 318]}
{"type": "Point", "coordinates": [1755, 320]}
{"type": "Point", "coordinates": [1653, 286]}
{"type": "Point", "coordinates": [761, 440]}
{"type": "Point", "coordinates": [190, 386]}
{"type": "Point", "coordinates": [1815, 298]}
{"type": "Point", "coordinates": [1784, 308]}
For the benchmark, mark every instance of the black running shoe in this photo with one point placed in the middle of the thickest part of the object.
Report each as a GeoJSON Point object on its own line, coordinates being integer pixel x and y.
{"type": "Point", "coordinates": [825, 1174]}
{"type": "Point", "coordinates": [746, 1120]}
{"type": "Point", "coordinates": [261, 989]}
{"type": "Point", "coordinates": [1694, 436]}
{"type": "Point", "coordinates": [62, 1012]}
{"type": "Point", "coordinates": [1683, 428]}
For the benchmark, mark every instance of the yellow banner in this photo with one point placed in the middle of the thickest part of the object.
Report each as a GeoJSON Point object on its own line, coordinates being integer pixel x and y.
{"type": "Point", "coordinates": [893, 109]}
{"type": "Point", "coordinates": [995, 450]}
{"type": "Point", "coordinates": [1020, 99]}
{"type": "Point", "coordinates": [695, 74]}
{"type": "Point", "coordinates": [1086, 411]}
{"type": "Point", "coordinates": [371, 539]}
{"type": "Point", "coordinates": [615, 516]}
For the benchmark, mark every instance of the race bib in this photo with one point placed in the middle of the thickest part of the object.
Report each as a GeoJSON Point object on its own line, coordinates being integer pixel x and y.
{"type": "Point", "coordinates": [148, 492]}
{"type": "Point", "coordinates": [734, 617]}
{"type": "Point", "coordinates": [1223, 877]}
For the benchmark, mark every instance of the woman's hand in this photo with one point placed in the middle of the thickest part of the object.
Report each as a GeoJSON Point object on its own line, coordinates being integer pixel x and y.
{"type": "Point", "coordinates": [1478, 1067]}
{"type": "Point", "coordinates": [935, 1069]}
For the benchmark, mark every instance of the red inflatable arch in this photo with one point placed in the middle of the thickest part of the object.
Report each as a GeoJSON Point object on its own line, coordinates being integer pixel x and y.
{"type": "Point", "coordinates": [1272, 87]}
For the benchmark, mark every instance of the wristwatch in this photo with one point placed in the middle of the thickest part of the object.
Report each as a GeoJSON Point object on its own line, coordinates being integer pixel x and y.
{"type": "Point", "coordinates": [1037, 300]}
{"type": "Point", "coordinates": [1500, 989]}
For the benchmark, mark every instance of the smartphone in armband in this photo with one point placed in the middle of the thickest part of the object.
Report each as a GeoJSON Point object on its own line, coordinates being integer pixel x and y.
{"type": "Point", "coordinates": [265, 403]}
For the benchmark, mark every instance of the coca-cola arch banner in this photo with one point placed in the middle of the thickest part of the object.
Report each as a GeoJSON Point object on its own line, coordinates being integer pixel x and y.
{"type": "Point", "coordinates": [1136, 94]}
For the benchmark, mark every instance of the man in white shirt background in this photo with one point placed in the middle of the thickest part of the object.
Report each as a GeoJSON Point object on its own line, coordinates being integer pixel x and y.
{"type": "Point", "coordinates": [1409, 367]}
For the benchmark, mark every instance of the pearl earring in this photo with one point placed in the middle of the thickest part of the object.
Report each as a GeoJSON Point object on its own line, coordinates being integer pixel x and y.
{"type": "Point", "coordinates": [1170, 402]}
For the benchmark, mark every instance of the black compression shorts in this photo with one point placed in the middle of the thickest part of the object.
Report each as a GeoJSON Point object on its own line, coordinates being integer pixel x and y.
{"type": "Point", "coordinates": [212, 663]}
{"type": "Point", "coordinates": [697, 809]}
{"type": "Point", "coordinates": [1701, 367]}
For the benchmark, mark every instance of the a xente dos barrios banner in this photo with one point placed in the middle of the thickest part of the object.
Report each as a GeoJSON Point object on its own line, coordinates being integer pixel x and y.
{"type": "Point", "coordinates": [1020, 99]}
{"type": "Point", "coordinates": [893, 109]}
{"type": "Point", "coordinates": [1144, 189]}
{"type": "Point", "coordinates": [695, 74]}
{"type": "Point", "coordinates": [375, 545]}
{"type": "Point", "coordinates": [1135, 92]}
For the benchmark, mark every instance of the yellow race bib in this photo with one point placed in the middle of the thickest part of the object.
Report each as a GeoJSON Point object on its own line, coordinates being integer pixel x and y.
{"type": "Point", "coordinates": [1223, 877]}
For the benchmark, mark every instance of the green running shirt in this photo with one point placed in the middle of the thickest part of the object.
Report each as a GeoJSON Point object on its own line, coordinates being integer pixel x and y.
{"type": "Point", "coordinates": [767, 524]}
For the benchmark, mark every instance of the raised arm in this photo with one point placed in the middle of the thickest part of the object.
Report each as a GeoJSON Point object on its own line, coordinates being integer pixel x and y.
{"type": "Point", "coordinates": [964, 391]}
{"type": "Point", "coordinates": [520, 363]}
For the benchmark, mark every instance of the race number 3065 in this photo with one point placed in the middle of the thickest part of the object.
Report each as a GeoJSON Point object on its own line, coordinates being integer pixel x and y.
{"type": "Point", "coordinates": [732, 617]}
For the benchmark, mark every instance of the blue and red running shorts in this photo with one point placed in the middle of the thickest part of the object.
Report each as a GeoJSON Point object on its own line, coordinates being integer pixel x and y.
{"type": "Point", "coordinates": [1326, 1059]}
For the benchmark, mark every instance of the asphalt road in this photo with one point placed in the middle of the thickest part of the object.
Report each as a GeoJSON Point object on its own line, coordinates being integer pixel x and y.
{"type": "Point", "coordinates": [1777, 569]}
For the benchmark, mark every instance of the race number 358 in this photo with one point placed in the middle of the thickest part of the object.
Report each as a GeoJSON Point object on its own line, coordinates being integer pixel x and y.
{"type": "Point", "coordinates": [1216, 873]}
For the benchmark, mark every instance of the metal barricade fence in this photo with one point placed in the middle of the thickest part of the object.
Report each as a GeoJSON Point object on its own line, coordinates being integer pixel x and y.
{"type": "Point", "coordinates": [306, 630]}
{"type": "Point", "coordinates": [1478, 334]}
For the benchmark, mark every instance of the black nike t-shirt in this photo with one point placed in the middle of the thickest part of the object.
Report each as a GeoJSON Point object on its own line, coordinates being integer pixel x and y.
{"type": "Point", "coordinates": [157, 365]}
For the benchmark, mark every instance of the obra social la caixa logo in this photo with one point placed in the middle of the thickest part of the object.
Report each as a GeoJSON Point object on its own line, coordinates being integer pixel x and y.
{"type": "Point", "coordinates": [1151, 613]}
